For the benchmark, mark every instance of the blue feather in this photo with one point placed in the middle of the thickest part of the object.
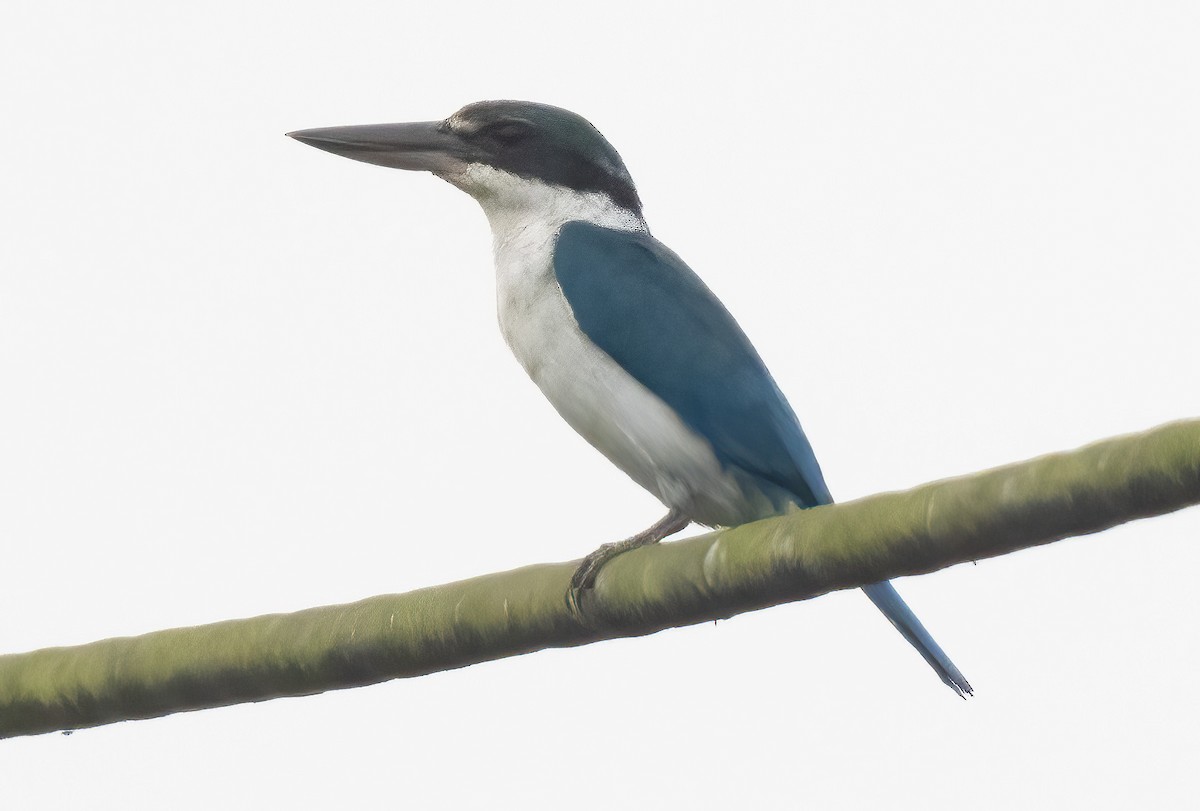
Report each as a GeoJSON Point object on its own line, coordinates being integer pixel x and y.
{"type": "Point", "coordinates": [643, 306]}
{"type": "Point", "coordinates": [649, 312]}
{"type": "Point", "coordinates": [888, 601]}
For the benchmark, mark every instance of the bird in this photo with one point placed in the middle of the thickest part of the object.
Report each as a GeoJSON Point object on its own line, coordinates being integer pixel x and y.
{"type": "Point", "coordinates": [621, 336]}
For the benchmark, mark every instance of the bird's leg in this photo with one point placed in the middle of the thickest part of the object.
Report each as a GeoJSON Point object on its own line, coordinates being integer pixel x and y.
{"type": "Point", "coordinates": [585, 575]}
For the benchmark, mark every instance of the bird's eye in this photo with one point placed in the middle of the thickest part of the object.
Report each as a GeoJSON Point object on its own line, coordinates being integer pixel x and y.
{"type": "Point", "coordinates": [510, 131]}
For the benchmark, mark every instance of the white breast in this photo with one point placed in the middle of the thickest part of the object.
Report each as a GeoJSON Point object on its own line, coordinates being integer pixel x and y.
{"type": "Point", "coordinates": [619, 416]}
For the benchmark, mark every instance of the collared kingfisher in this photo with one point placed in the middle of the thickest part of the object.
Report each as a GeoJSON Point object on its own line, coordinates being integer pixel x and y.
{"type": "Point", "coordinates": [626, 342]}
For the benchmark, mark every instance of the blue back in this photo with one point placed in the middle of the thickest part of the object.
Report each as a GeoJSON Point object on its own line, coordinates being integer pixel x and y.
{"type": "Point", "coordinates": [642, 305]}
{"type": "Point", "coordinates": [638, 301]}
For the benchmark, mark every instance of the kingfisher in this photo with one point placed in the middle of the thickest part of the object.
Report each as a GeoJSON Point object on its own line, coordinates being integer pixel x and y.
{"type": "Point", "coordinates": [621, 336]}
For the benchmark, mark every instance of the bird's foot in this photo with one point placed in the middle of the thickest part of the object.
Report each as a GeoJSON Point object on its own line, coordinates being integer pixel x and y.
{"type": "Point", "coordinates": [585, 576]}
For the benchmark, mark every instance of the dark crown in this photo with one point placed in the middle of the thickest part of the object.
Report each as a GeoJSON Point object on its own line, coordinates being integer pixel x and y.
{"type": "Point", "coordinates": [546, 143]}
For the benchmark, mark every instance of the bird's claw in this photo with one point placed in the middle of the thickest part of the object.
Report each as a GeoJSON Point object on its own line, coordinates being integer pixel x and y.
{"type": "Point", "coordinates": [584, 578]}
{"type": "Point", "coordinates": [585, 575]}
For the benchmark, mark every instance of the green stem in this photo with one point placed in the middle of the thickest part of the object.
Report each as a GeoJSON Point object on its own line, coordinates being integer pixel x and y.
{"type": "Point", "coordinates": [712, 576]}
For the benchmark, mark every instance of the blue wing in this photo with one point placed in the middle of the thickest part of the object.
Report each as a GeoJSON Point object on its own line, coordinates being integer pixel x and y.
{"type": "Point", "coordinates": [642, 305]}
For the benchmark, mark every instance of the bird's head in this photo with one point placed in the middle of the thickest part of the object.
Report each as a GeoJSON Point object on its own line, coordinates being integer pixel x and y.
{"type": "Point", "coordinates": [489, 147]}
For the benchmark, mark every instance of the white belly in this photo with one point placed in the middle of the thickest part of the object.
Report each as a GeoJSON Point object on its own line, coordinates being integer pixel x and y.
{"type": "Point", "coordinates": [619, 416]}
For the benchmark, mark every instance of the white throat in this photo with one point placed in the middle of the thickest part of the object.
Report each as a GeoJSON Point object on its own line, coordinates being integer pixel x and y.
{"type": "Point", "coordinates": [514, 204]}
{"type": "Point", "coordinates": [635, 429]}
{"type": "Point", "coordinates": [526, 216]}
{"type": "Point", "coordinates": [639, 432]}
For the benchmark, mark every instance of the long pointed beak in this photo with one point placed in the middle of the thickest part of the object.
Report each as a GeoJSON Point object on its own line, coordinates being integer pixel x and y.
{"type": "Point", "coordinates": [421, 146]}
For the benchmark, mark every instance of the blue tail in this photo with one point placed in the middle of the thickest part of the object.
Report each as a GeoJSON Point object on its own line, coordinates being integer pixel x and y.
{"type": "Point", "coordinates": [894, 608]}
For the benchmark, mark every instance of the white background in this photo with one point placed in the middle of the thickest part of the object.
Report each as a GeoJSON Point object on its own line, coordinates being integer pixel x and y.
{"type": "Point", "coordinates": [242, 376]}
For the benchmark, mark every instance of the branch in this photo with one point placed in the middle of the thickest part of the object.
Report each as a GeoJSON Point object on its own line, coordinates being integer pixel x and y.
{"type": "Point", "coordinates": [713, 576]}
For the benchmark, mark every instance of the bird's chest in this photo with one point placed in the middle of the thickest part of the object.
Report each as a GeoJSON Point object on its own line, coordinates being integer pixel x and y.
{"type": "Point", "coordinates": [596, 397]}
{"type": "Point", "coordinates": [535, 318]}
{"type": "Point", "coordinates": [615, 413]}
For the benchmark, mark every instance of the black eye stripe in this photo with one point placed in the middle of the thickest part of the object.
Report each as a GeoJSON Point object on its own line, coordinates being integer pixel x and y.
{"type": "Point", "coordinates": [509, 130]}
{"type": "Point", "coordinates": [545, 143]}
{"type": "Point", "coordinates": [512, 130]}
